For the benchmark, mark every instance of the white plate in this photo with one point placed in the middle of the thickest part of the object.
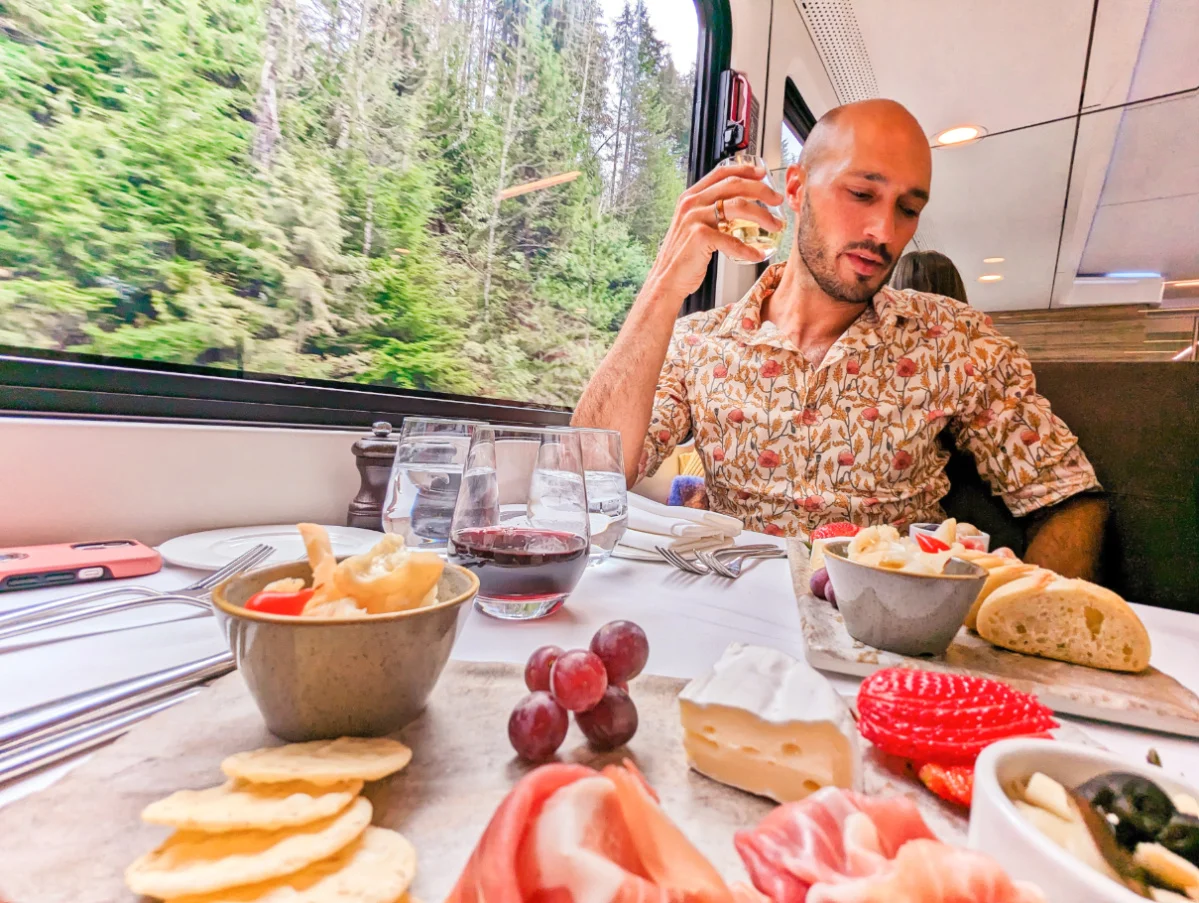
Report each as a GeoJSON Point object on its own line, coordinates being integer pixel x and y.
{"type": "Point", "coordinates": [214, 549]}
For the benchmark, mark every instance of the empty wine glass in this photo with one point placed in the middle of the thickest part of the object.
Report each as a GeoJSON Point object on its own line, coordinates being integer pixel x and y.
{"type": "Point", "coordinates": [425, 477]}
{"type": "Point", "coordinates": [521, 522]}
{"type": "Point", "coordinates": [746, 230]}
{"type": "Point", "coordinates": [607, 490]}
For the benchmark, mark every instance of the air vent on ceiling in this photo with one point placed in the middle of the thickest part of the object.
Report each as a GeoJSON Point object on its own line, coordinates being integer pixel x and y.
{"type": "Point", "coordinates": [834, 29]}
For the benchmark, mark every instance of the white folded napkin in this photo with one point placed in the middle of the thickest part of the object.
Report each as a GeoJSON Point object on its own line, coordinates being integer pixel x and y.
{"type": "Point", "coordinates": [718, 523]}
{"type": "Point", "coordinates": [667, 526]}
{"type": "Point", "coordinates": [644, 546]}
{"type": "Point", "coordinates": [681, 529]}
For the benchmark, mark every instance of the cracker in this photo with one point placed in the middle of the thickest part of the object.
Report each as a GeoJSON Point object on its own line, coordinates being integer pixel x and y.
{"type": "Point", "coordinates": [320, 761]}
{"type": "Point", "coordinates": [189, 862]}
{"type": "Point", "coordinates": [236, 806]}
{"type": "Point", "coordinates": [376, 868]}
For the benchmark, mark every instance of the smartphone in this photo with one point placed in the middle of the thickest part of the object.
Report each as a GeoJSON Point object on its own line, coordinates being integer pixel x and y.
{"type": "Point", "coordinates": [35, 567]}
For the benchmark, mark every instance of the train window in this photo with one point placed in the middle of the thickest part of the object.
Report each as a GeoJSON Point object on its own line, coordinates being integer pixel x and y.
{"type": "Point", "coordinates": [797, 118]}
{"type": "Point", "coordinates": [796, 124]}
{"type": "Point", "coordinates": [441, 196]}
{"type": "Point", "coordinates": [792, 145]}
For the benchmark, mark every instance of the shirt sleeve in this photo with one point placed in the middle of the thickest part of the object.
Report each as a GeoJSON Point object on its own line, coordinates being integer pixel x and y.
{"type": "Point", "coordinates": [670, 421]}
{"type": "Point", "coordinates": [1024, 451]}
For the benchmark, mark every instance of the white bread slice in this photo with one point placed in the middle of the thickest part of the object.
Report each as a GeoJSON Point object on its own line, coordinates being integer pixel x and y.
{"type": "Point", "coordinates": [1069, 620]}
{"type": "Point", "coordinates": [998, 576]}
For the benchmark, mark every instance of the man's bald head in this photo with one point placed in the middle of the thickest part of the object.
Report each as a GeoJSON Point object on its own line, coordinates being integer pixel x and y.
{"type": "Point", "coordinates": [841, 127]}
{"type": "Point", "coordinates": [861, 181]}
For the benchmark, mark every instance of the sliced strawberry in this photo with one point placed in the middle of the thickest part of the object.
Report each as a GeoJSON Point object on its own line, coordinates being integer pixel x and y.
{"type": "Point", "coordinates": [915, 685]}
{"type": "Point", "coordinates": [950, 782]}
{"type": "Point", "coordinates": [931, 716]}
{"type": "Point", "coordinates": [835, 530]}
{"type": "Point", "coordinates": [920, 746]}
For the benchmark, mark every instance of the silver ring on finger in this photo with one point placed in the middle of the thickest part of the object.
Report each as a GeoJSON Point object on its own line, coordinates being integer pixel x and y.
{"type": "Point", "coordinates": [721, 219]}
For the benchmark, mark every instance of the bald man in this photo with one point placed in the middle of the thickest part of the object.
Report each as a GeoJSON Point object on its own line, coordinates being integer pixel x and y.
{"type": "Point", "coordinates": [821, 394]}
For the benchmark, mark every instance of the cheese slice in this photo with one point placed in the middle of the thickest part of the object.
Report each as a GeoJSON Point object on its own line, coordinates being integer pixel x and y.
{"type": "Point", "coordinates": [766, 723]}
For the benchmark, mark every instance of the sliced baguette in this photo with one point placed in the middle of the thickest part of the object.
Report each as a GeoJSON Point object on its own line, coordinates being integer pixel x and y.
{"type": "Point", "coordinates": [997, 577]}
{"type": "Point", "coordinates": [1069, 620]}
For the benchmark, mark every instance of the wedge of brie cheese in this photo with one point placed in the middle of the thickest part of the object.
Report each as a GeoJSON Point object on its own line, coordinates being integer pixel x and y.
{"type": "Point", "coordinates": [766, 723]}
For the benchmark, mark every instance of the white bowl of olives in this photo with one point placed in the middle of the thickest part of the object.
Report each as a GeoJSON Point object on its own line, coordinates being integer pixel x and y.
{"type": "Point", "coordinates": [1085, 825]}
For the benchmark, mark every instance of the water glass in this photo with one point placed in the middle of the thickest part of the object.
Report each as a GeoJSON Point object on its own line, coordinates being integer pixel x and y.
{"type": "Point", "coordinates": [607, 491]}
{"type": "Point", "coordinates": [746, 230]}
{"type": "Point", "coordinates": [521, 521]}
{"type": "Point", "coordinates": [425, 477]}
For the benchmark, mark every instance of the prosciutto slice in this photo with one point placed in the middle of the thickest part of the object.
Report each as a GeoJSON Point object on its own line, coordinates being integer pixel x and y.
{"type": "Point", "coordinates": [930, 872]}
{"type": "Point", "coordinates": [569, 834]}
{"type": "Point", "coordinates": [839, 847]}
{"type": "Point", "coordinates": [825, 838]}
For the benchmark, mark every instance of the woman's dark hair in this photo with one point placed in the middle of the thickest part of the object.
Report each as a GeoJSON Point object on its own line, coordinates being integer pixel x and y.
{"type": "Point", "coordinates": [929, 271]}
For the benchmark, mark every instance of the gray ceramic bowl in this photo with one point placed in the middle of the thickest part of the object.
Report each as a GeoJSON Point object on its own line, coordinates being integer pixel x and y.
{"type": "Point", "coordinates": [912, 614]}
{"type": "Point", "coordinates": [317, 678]}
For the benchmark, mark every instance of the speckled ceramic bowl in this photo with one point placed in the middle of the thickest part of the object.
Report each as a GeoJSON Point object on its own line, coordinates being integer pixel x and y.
{"type": "Point", "coordinates": [316, 678]}
{"type": "Point", "coordinates": [912, 614]}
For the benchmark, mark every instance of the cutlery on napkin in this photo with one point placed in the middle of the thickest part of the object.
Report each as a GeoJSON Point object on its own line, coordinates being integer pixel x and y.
{"type": "Point", "coordinates": [652, 524]}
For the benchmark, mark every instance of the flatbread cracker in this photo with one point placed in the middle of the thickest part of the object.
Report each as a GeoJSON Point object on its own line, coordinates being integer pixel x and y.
{"type": "Point", "coordinates": [376, 868]}
{"type": "Point", "coordinates": [189, 862]}
{"type": "Point", "coordinates": [237, 806]}
{"type": "Point", "coordinates": [320, 762]}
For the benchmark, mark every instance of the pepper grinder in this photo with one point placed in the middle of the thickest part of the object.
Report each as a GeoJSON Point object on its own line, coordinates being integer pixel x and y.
{"type": "Point", "coordinates": [373, 454]}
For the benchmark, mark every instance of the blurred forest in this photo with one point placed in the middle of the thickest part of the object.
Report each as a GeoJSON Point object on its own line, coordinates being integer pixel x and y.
{"type": "Point", "coordinates": [312, 187]}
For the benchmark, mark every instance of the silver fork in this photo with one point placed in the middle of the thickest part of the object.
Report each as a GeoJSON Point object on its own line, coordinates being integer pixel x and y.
{"type": "Point", "coordinates": [699, 565]}
{"type": "Point", "coordinates": [680, 562]}
{"type": "Point", "coordinates": [730, 566]}
{"type": "Point", "coordinates": [24, 620]}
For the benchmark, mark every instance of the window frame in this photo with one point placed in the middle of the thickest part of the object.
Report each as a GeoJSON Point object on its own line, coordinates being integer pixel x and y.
{"type": "Point", "coordinates": [798, 118]}
{"type": "Point", "coordinates": [715, 51]}
{"type": "Point", "coordinates": [39, 383]}
{"type": "Point", "coordinates": [796, 114]}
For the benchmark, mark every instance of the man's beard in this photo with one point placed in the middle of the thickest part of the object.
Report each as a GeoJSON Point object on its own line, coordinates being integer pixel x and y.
{"type": "Point", "coordinates": [814, 252]}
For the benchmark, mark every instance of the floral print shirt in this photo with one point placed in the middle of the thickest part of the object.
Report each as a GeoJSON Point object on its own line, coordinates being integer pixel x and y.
{"type": "Point", "coordinates": [788, 445]}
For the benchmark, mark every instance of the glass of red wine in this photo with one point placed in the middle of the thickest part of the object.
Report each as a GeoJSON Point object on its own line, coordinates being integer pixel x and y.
{"type": "Point", "coordinates": [520, 521]}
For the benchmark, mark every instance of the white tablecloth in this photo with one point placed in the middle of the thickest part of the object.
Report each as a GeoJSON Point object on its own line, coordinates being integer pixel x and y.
{"type": "Point", "coordinates": [689, 621]}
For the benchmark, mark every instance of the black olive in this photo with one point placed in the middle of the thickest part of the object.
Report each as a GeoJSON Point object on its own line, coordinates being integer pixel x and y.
{"type": "Point", "coordinates": [1181, 836]}
{"type": "Point", "coordinates": [1141, 808]}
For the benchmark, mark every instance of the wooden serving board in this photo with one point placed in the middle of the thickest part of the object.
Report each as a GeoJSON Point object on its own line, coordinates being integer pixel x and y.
{"type": "Point", "coordinates": [1150, 700]}
{"type": "Point", "coordinates": [71, 842]}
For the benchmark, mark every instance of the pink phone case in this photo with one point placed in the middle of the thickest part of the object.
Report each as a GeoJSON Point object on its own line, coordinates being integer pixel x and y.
{"type": "Point", "coordinates": [34, 567]}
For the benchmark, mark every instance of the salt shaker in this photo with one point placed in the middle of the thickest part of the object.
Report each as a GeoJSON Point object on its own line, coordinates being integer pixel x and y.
{"type": "Point", "coordinates": [373, 454]}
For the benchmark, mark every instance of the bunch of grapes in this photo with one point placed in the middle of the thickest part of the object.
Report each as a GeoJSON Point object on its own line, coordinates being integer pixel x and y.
{"type": "Point", "coordinates": [593, 683]}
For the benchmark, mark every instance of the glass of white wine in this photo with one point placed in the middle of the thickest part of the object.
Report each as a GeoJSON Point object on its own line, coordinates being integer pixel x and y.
{"type": "Point", "coordinates": [746, 230]}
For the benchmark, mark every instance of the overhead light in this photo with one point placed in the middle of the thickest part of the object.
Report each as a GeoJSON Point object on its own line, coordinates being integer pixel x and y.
{"type": "Point", "coordinates": [960, 134]}
{"type": "Point", "coordinates": [1184, 283]}
{"type": "Point", "coordinates": [1133, 274]}
{"type": "Point", "coordinates": [993, 259]}
{"type": "Point", "coordinates": [990, 277]}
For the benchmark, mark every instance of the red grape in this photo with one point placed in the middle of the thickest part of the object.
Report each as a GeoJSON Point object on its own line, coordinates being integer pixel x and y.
{"type": "Point", "coordinates": [537, 671]}
{"type": "Point", "coordinates": [623, 648]}
{"type": "Point", "coordinates": [578, 680]}
{"type": "Point", "coordinates": [819, 583]}
{"type": "Point", "coordinates": [612, 722]}
{"type": "Point", "coordinates": [829, 594]}
{"type": "Point", "coordinates": [537, 726]}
